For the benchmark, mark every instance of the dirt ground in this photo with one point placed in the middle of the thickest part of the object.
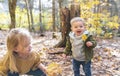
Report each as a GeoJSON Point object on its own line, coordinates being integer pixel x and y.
{"type": "Point", "coordinates": [106, 61]}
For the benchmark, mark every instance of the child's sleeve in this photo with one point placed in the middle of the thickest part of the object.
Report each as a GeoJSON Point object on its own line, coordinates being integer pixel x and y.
{"type": "Point", "coordinates": [94, 42]}
{"type": "Point", "coordinates": [67, 49]}
{"type": "Point", "coordinates": [36, 60]}
{"type": "Point", "coordinates": [91, 39]}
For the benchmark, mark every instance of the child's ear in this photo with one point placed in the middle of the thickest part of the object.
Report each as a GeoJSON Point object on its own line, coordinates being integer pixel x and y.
{"type": "Point", "coordinates": [15, 49]}
{"type": "Point", "coordinates": [85, 27]}
{"type": "Point", "coordinates": [71, 28]}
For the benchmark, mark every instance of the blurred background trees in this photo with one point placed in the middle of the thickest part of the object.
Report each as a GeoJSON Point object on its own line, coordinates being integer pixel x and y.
{"type": "Point", "coordinates": [102, 16]}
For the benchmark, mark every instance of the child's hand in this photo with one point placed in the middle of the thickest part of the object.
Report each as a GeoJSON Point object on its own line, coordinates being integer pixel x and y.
{"type": "Point", "coordinates": [89, 44]}
{"type": "Point", "coordinates": [45, 70]}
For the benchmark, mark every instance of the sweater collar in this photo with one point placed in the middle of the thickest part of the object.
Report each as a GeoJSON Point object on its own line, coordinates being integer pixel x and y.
{"type": "Point", "coordinates": [72, 35]}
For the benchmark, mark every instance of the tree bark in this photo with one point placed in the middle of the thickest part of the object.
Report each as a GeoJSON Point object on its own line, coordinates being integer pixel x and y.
{"type": "Point", "coordinates": [27, 8]}
{"type": "Point", "coordinates": [31, 4]}
{"type": "Point", "coordinates": [12, 7]}
{"type": "Point", "coordinates": [53, 14]}
{"type": "Point", "coordinates": [40, 17]}
{"type": "Point", "coordinates": [60, 7]}
{"type": "Point", "coordinates": [75, 10]}
{"type": "Point", "coordinates": [40, 14]}
{"type": "Point", "coordinates": [65, 19]}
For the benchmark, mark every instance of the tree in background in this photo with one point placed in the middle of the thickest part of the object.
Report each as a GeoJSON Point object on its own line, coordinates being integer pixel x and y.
{"type": "Point", "coordinates": [102, 16]}
{"type": "Point", "coordinates": [40, 17]}
{"type": "Point", "coordinates": [29, 8]}
{"type": "Point", "coordinates": [31, 4]}
{"type": "Point", "coordinates": [12, 7]}
{"type": "Point", "coordinates": [53, 14]}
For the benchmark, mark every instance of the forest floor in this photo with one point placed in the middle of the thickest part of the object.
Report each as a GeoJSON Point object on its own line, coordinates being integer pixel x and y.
{"type": "Point", "coordinates": [106, 61]}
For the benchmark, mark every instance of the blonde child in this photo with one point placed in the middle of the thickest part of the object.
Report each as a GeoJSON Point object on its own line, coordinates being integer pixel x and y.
{"type": "Point", "coordinates": [81, 46]}
{"type": "Point", "coordinates": [19, 58]}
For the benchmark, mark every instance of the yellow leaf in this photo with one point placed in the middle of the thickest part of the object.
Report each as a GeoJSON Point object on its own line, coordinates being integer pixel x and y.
{"type": "Point", "coordinates": [99, 58]}
{"type": "Point", "coordinates": [99, 30]}
{"type": "Point", "coordinates": [115, 18]}
{"type": "Point", "coordinates": [113, 25]}
{"type": "Point", "coordinates": [84, 37]}
{"type": "Point", "coordinates": [92, 29]}
{"type": "Point", "coordinates": [54, 69]}
{"type": "Point", "coordinates": [108, 35]}
{"type": "Point", "coordinates": [96, 2]}
{"type": "Point", "coordinates": [116, 25]}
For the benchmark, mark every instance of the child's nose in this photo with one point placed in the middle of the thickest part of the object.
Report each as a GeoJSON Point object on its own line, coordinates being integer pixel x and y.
{"type": "Point", "coordinates": [79, 28]}
{"type": "Point", "coordinates": [30, 46]}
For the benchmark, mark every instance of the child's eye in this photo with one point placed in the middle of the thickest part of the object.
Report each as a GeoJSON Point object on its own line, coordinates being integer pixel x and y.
{"type": "Point", "coordinates": [75, 27]}
{"type": "Point", "coordinates": [26, 45]}
{"type": "Point", "coordinates": [81, 26]}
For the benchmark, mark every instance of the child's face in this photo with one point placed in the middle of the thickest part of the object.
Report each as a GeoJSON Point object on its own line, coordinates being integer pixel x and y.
{"type": "Point", "coordinates": [78, 28]}
{"type": "Point", "coordinates": [24, 47]}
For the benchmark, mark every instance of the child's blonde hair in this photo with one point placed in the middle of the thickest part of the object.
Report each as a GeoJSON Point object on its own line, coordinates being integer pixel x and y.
{"type": "Point", "coordinates": [76, 19]}
{"type": "Point", "coordinates": [14, 37]}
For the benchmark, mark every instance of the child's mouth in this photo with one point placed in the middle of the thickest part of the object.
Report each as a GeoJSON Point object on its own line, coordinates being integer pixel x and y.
{"type": "Point", "coordinates": [79, 32]}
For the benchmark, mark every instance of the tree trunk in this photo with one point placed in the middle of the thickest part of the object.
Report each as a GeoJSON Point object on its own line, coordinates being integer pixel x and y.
{"type": "Point", "coordinates": [66, 16]}
{"type": "Point", "coordinates": [40, 19]}
{"type": "Point", "coordinates": [12, 7]}
{"type": "Point", "coordinates": [31, 4]}
{"type": "Point", "coordinates": [60, 7]}
{"type": "Point", "coordinates": [27, 8]}
{"type": "Point", "coordinates": [65, 19]}
{"type": "Point", "coordinates": [75, 10]}
{"type": "Point", "coordinates": [53, 14]}
{"type": "Point", "coordinates": [40, 14]}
